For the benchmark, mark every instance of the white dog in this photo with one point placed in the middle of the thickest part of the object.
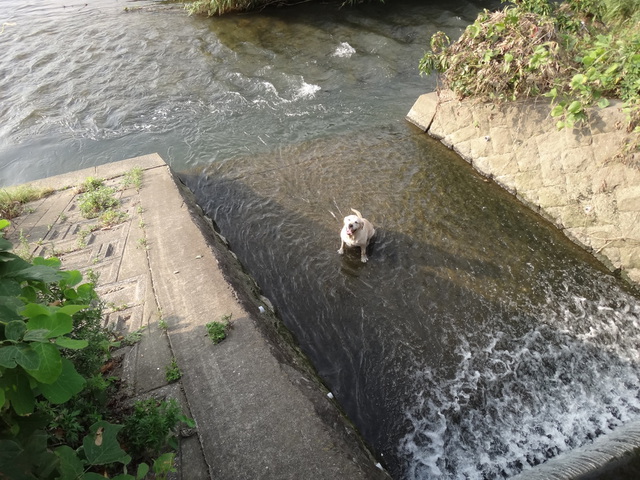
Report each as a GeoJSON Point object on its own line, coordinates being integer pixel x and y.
{"type": "Point", "coordinates": [356, 232]}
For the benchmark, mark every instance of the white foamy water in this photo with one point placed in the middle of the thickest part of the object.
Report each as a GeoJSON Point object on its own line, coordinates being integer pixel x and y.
{"type": "Point", "coordinates": [306, 91]}
{"type": "Point", "coordinates": [344, 50]}
{"type": "Point", "coordinates": [514, 402]}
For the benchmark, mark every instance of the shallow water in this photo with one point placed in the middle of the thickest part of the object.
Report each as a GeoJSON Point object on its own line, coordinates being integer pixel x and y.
{"type": "Point", "coordinates": [476, 342]}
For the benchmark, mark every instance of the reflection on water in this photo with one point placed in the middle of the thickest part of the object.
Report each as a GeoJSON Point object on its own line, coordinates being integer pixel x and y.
{"type": "Point", "coordinates": [476, 342]}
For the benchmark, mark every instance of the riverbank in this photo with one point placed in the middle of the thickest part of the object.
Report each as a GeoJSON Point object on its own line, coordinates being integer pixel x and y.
{"type": "Point", "coordinates": [259, 408]}
{"type": "Point", "coordinates": [571, 176]}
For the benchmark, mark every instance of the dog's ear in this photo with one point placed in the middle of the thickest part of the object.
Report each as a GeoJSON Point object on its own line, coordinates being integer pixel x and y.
{"type": "Point", "coordinates": [357, 213]}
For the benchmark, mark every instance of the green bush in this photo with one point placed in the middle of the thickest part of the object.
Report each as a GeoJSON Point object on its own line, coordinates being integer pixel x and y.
{"type": "Point", "coordinates": [152, 426]}
{"type": "Point", "coordinates": [52, 395]}
{"type": "Point", "coordinates": [217, 331]}
{"type": "Point", "coordinates": [561, 50]}
{"type": "Point", "coordinates": [93, 202]}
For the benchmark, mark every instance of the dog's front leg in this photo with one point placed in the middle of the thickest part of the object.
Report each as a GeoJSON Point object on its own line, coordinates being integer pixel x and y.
{"type": "Point", "coordinates": [363, 254]}
{"type": "Point", "coordinates": [341, 250]}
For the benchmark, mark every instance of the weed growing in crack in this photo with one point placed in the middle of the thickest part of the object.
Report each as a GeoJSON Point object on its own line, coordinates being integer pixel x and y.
{"type": "Point", "coordinates": [217, 331]}
{"type": "Point", "coordinates": [173, 373]}
{"type": "Point", "coordinates": [133, 178]}
{"type": "Point", "coordinates": [152, 425]}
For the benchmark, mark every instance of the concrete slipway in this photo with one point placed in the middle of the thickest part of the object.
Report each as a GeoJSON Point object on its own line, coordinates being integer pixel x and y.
{"type": "Point", "coordinates": [260, 410]}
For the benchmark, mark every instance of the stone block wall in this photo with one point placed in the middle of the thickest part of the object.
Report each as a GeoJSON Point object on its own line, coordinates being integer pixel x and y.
{"type": "Point", "coordinates": [569, 176]}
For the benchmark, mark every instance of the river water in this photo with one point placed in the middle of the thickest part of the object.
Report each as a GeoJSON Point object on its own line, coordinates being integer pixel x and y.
{"type": "Point", "coordinates": [477, 341]}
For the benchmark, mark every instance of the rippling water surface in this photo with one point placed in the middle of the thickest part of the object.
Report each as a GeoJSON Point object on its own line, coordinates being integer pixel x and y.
{"type": "Point", "coordinates": [477, 341]}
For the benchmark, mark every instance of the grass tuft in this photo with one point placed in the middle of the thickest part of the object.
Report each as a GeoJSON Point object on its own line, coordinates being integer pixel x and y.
{"type": "Point", "coordinates": [13, 199]}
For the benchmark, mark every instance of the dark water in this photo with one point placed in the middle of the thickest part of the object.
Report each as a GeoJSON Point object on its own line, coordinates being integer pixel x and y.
{"type": "Point", "coordinates": [475, 343]}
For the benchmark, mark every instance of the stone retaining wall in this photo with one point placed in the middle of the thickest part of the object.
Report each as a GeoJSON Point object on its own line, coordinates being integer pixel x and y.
{"type": "Point", "coordinates": [569, 176]}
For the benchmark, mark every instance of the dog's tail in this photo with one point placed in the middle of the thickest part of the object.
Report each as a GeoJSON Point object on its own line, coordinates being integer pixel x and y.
{"type": "Point", "coordinates": [357, 213]}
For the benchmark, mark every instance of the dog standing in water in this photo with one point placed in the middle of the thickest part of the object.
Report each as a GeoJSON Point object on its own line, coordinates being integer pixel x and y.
{"type": "Point", "coordinates": [356, 232]}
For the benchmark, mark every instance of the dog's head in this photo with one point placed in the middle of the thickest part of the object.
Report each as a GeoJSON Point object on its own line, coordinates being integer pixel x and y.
{"type": "Point", "coordinates": [352, 223]}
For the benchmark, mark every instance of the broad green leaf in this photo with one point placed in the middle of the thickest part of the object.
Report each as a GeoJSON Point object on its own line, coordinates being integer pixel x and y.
{"type": "Point", "coordinates": [603, 103]}
{"type": "Point", "coordinates": [71, 343]}
{"type": "Point", "coordinates": [164, 463]}
{"type": "Point", "coordinates": [578, 80]}
{"type": "Point", "coordinates": [72, 309]}
{"type": "Point", "coordinates": [13, 304]}
{"type": "Point", "coordinates": [53, 262]}
{"type": "Point", "coordinates": [612, 69]}
{"type": "Point", "coordinates": [9, 287]}
{"type": "Point", "coordinates": [50, 366]}
{"type": "Point", "coordinates": [66, 386]}
{"type": "Point", "coordinates": [34, 310]}
{"type": "Point", "coordinates": [40, 335]}
{"type": "Point", "coordinates": [37, 453]}
{"type": "Point", "coordinates": [30, 294]}
{"type": "Point", "coordinates": [38, 273]}
{"type": "Point", "coordinates": [8, 314]}
{"type": "Point", "coordinates": [71, 277]}
{"type": "Point", "coordinates": [12, 267]}
{"type": "Point", "coordinates": [575, 107]}
{"type": "Point", "coordinates": [57, 324]}
{"type": "Point", "coordinates": [5, 245]}
{"type": "Point", "coordinates": [101, 444]}
{"type": "Point", "coordinates": [22, 355]}
{"type": "Point", "coordinates": [557, 111]}
{"type": "Point", "coordinates": [2, 398]}
{"type": "Point", "coordinates": [9, 451]}
{"type": "Point", "coordinates": [70, 294]}
{"type": "Point", "coordinates": [18, 391]}
{"type": "Point", "coordinates": [70, 464]}
{"type": "Point", "coordinates": [4, 223]}
{"type": "Point", "coordinates": [143, 469]}
{"type": "Point", "coordinates": [86, 290]}
{"type": "Point", "coordinates": [14, 330]}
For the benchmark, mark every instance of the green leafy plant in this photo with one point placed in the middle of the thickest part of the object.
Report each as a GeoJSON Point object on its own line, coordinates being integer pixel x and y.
{"type": "Point", "coordinates": [133, 178]}
{"type": "Point", "coordinates": [578, 53]}
{"type": "Point", "coordinates": [53, 396]}
{"type": "Point", "coordinates": [34, 336]}
{"type": "Point", "coordinates": [152, 426]}
{"type": "Point", "coordinates": [217, 331]}
{"type": "Point", "coordinates": [93, 202]}
{"type": "Point", "coordinates": [172, 371]}
{"type": "Point", "coordinates": [134, 337]}
{"type": "Point", "coordinates": [90, 184]}
{"type": "Point", "coordinates": [112, 217]}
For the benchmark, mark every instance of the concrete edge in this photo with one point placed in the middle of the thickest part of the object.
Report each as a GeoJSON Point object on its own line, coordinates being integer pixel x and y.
{"type": "Point", "coordinates": [106, 171]}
